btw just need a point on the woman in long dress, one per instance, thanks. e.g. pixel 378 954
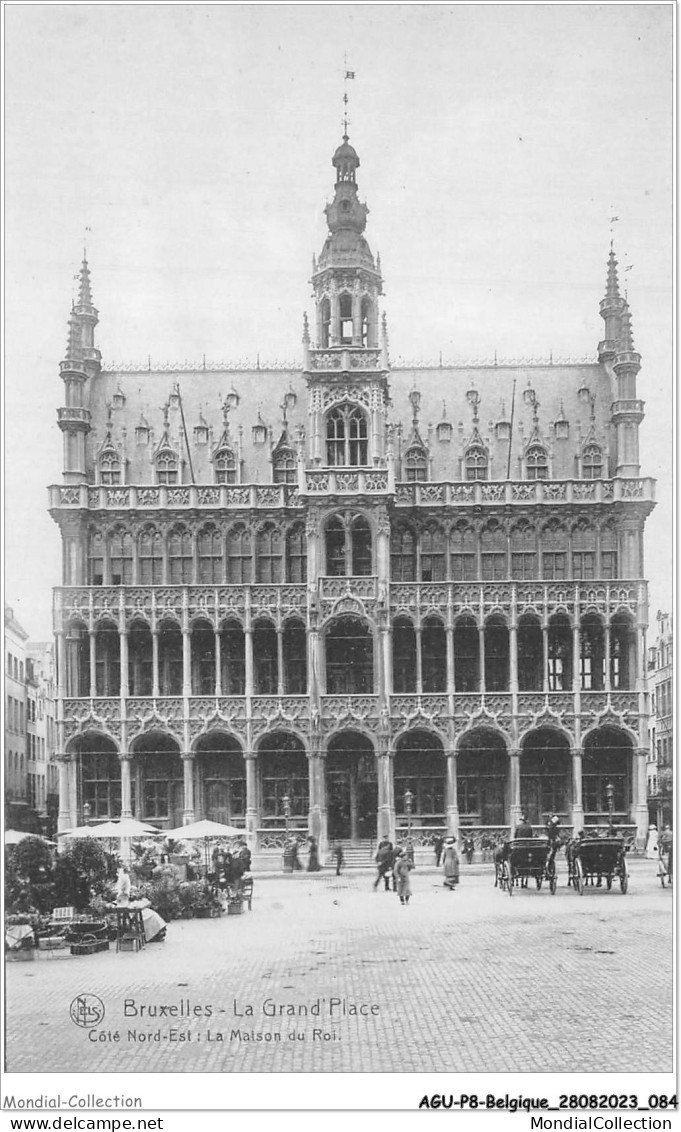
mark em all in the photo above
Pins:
pixel 651 844
pixel 401 870
pixel 313 861
pixel 451 864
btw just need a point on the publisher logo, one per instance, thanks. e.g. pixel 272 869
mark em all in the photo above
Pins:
pixel 86 1010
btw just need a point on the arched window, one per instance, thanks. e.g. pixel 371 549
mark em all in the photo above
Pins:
pixel 402 554
pixel 622 652
pixel 476 462
pixel 530 654
pixel 335 547
pixel 493 552
pixel 608 542
pixel 347 442
pixel 592 462
pixel 107 659
pixel 560 653
pixel 366 320
pixel 496 654
pixel 554 545
pixel 592 658
pixel 466 655
pixel 109 467
pixel 265 659
pixel 360 534
pixel 433 656
pixel 345 308
pixel 120 557
pixel 224 465
pixel 166 466
pixel 537 462
pixel 203 659
pixel 180 557
pixel 239 555
pixel 432 553
pixel 285 466
pixel 294 646
pixel 416 464
pixel 170 659
pixel 269 554
pixel 96 559
pixel 523 551
pixel 463 552
pixel 296 554
pixel 150 557
pixel 404 655
pixel 140 659
pixel 232 659
pixel 211 568
pixel 326 323
pixel 349 658
pixel 583 551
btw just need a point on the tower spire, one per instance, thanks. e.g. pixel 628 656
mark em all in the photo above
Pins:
pixel 611 308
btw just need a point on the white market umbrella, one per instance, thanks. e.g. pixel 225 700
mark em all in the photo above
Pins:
pixel 15 836
pixel 124 829
pixel 79 831
pixel 197 830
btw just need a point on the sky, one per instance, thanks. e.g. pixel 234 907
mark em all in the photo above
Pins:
pixel 194 143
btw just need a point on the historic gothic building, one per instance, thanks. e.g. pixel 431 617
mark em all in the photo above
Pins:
pixel 347 597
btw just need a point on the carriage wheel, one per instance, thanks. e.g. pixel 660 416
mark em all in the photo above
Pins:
pixel 579 877
pixel 624 878
pixel 661 873
pixel 538 879
pixel 553 883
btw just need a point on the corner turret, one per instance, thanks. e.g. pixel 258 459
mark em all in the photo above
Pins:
pixel 82 362
pixel 611 307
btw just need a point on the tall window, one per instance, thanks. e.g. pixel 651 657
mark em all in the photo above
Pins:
pixel 150 557
pixel 347 437
pixel 294 647
pixel 166 467
pixel 120 558
pixel 560 653
pixel 224 463
pixel 493 552
pixel 233 659
pixel 109 467
pixel 433 553
pixel 415 464
pixel 433 656
pixel 296 554
pixel 345 306
pixel 403 554
pixel 239 555
pixel 349 658
pixel 608 551
pixel 523 551
pixel 265 659
pixel 96 559
pixel 583 551
pixel 466 655
pixel 180 557
pixel 592 658
pixel 348 546
pixel 326 323
pixel 537 462
pixel 268 554
pixel 476 462
pixel 592 462
pixel 211 571
pixel 554 551
pixel 404 655
pixel 285 466
pixel 463 553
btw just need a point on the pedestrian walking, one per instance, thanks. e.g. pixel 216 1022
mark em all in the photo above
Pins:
pixel 401 871
pixel 469 848
pixel 338 855
pixel 313 860
pixel 438 846
pixel 384 860
pixel 451 864
pixel 666 848
pixel 651 843
pixel 295 859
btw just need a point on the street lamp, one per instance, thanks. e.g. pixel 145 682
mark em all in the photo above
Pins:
pixel 408 803
pixel 610 795
pixel 87 811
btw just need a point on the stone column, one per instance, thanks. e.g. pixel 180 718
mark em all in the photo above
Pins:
pixel 126 791
pixel 155 687
pixel 513 661
pixel 125 675
pixel 577 801
pixel 67 818
pixel 576 658
pixel 449 638
pixel 545 655
pixel 386 794
pixel 419 662
pixel 607 682
pixel 248 654
pixel 640 814
pixel 315 825
pixel 334 338
pixel 250 759
pixel 61 665
pixel 280 661
pixel 481 650
pixel 451 794
pixel 218 663
pixel 514 787
pixel 188 767
pixel 186 663
pixel 93 663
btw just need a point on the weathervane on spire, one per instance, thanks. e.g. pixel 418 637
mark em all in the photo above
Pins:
pixel 347 75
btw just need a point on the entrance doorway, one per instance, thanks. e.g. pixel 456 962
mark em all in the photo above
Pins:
pixel 351 788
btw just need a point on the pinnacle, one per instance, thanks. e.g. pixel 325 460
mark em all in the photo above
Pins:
pixel 627 332
pixel 612 289
pixel 84 293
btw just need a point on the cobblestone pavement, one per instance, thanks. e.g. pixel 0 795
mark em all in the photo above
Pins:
pixel 466 981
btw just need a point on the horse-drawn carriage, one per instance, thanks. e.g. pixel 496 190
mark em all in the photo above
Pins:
pixel 524 859
pixel 597 859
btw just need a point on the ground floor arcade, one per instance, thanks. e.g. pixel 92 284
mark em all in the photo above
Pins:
pixel 350 789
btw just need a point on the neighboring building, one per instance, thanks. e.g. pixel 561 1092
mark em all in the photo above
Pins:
pixel 661 728
pixel 16 780
pixel 340 589
pixel 43 770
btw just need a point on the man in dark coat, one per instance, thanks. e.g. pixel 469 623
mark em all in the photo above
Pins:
pixel 523 828
pixel 384 861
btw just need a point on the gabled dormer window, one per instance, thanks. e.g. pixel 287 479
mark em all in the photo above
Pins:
pixel 415 464
pixel 347 443
pixel 537 462
pixel 284 466
pixel 109 467
pixel 476 462
pixel 592 462
pixel 224 463
pixel 166 466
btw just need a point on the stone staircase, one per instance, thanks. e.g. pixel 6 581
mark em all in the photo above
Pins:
pixel 359 855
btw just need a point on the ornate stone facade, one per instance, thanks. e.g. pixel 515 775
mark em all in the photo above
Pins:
pixel 356 621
